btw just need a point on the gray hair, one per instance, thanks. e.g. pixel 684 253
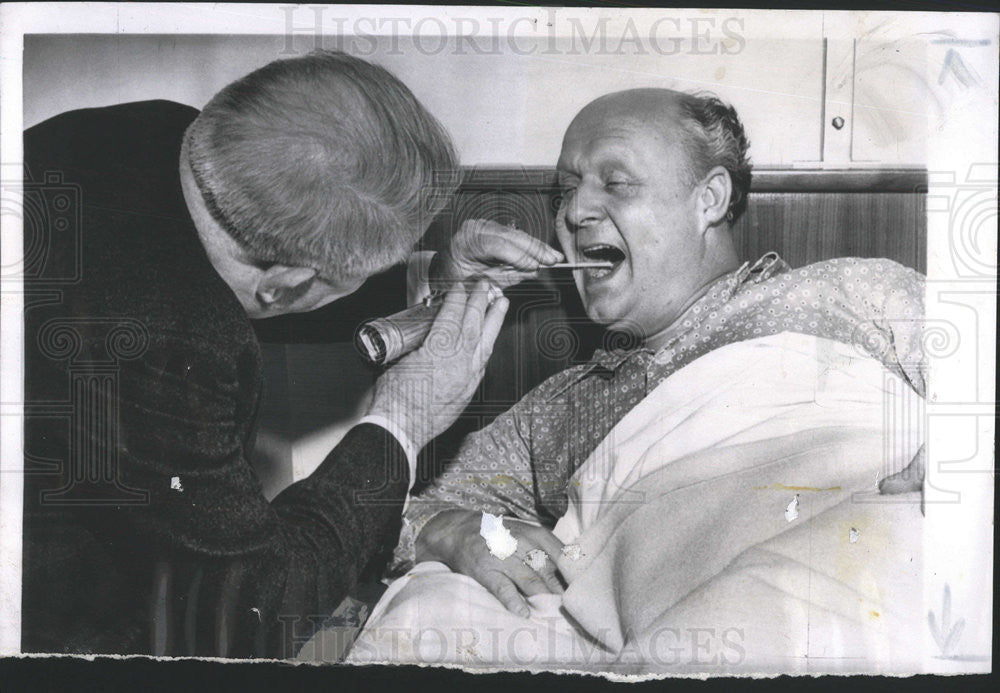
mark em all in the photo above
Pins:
pixel 323 161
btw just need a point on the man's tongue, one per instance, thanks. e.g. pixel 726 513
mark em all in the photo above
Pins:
pixel 602 253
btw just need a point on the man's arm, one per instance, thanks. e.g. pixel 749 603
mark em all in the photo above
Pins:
pixel 270 572
pixel 894 306
pixel 904 315
pixel 490 473
pixel 493 472
pixel 900 313
pixel 270 566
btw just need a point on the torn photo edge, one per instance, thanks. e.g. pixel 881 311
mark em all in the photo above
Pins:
pixel 961 261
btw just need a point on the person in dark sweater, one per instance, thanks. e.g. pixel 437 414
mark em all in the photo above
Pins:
pixel 145 529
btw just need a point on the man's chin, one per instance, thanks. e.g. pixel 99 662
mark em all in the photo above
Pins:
pixel 614 319
pixel 608 317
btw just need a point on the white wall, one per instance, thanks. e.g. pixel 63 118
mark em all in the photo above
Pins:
pixel 504 108
pixel 788 74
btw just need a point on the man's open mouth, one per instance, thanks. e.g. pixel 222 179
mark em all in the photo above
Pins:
pixel 602 252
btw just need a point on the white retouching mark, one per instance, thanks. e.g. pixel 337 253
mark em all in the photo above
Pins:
pixel 536 559
pixel 573 552
pixel 792 509
pixel 499 540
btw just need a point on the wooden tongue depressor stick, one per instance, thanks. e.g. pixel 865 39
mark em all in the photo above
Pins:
pixel 579 265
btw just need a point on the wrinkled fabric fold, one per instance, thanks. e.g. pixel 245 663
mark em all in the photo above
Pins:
pixel 684 505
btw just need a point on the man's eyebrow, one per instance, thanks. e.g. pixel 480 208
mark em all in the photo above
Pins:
pixel 614 154
pixel 615 162
pixel 602 161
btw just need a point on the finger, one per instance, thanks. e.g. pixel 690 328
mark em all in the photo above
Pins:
pixel 543 565
pixel 475 312
pixel 552 580
pixel 446 329
pixel 547 573
pixel 504 589
pixel 527 580
pixel 544 539
pixel 508 276
pixel 452 307
pixel 500 245
pixel 536 574
pixel 529 249
pixel 550 544
pixel 543 252
pixel 491 330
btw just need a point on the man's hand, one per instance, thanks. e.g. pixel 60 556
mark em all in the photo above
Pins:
pixel 908 480
pixel 502 254
pixel 452 537
pixel 426 390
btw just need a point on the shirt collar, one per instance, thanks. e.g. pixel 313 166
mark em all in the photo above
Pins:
pixel 611 359
pixel 766 267
pixel 769 265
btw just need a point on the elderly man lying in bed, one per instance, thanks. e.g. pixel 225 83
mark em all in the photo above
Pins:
pixel 695 503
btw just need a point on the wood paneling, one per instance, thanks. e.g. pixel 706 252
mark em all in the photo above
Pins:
pixel 806 227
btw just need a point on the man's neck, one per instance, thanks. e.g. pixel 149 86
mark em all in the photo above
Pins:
pixel 222 250
pixel 657 341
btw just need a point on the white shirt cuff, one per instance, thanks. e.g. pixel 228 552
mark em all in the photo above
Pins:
pixel 405 443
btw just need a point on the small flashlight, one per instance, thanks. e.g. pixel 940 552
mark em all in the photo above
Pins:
pixel 383 340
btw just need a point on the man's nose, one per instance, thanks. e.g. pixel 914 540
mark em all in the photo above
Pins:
pixel 583 208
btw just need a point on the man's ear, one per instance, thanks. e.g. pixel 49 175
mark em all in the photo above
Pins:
pixel 280 286
pixel 716 191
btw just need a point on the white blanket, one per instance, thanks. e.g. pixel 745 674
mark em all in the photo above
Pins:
pixel 692 558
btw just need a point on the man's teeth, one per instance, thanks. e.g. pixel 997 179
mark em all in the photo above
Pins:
pixel 598 272
pixel 602 253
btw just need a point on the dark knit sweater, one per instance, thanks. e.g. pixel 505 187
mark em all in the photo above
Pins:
pixel 143 378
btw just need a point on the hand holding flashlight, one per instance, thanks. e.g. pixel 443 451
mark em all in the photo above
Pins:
pixel 426 390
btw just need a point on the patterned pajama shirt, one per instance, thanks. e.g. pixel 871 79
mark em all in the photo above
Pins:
pixel 521 463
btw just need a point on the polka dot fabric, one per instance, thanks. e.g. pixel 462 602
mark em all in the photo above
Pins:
pixel 520 464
